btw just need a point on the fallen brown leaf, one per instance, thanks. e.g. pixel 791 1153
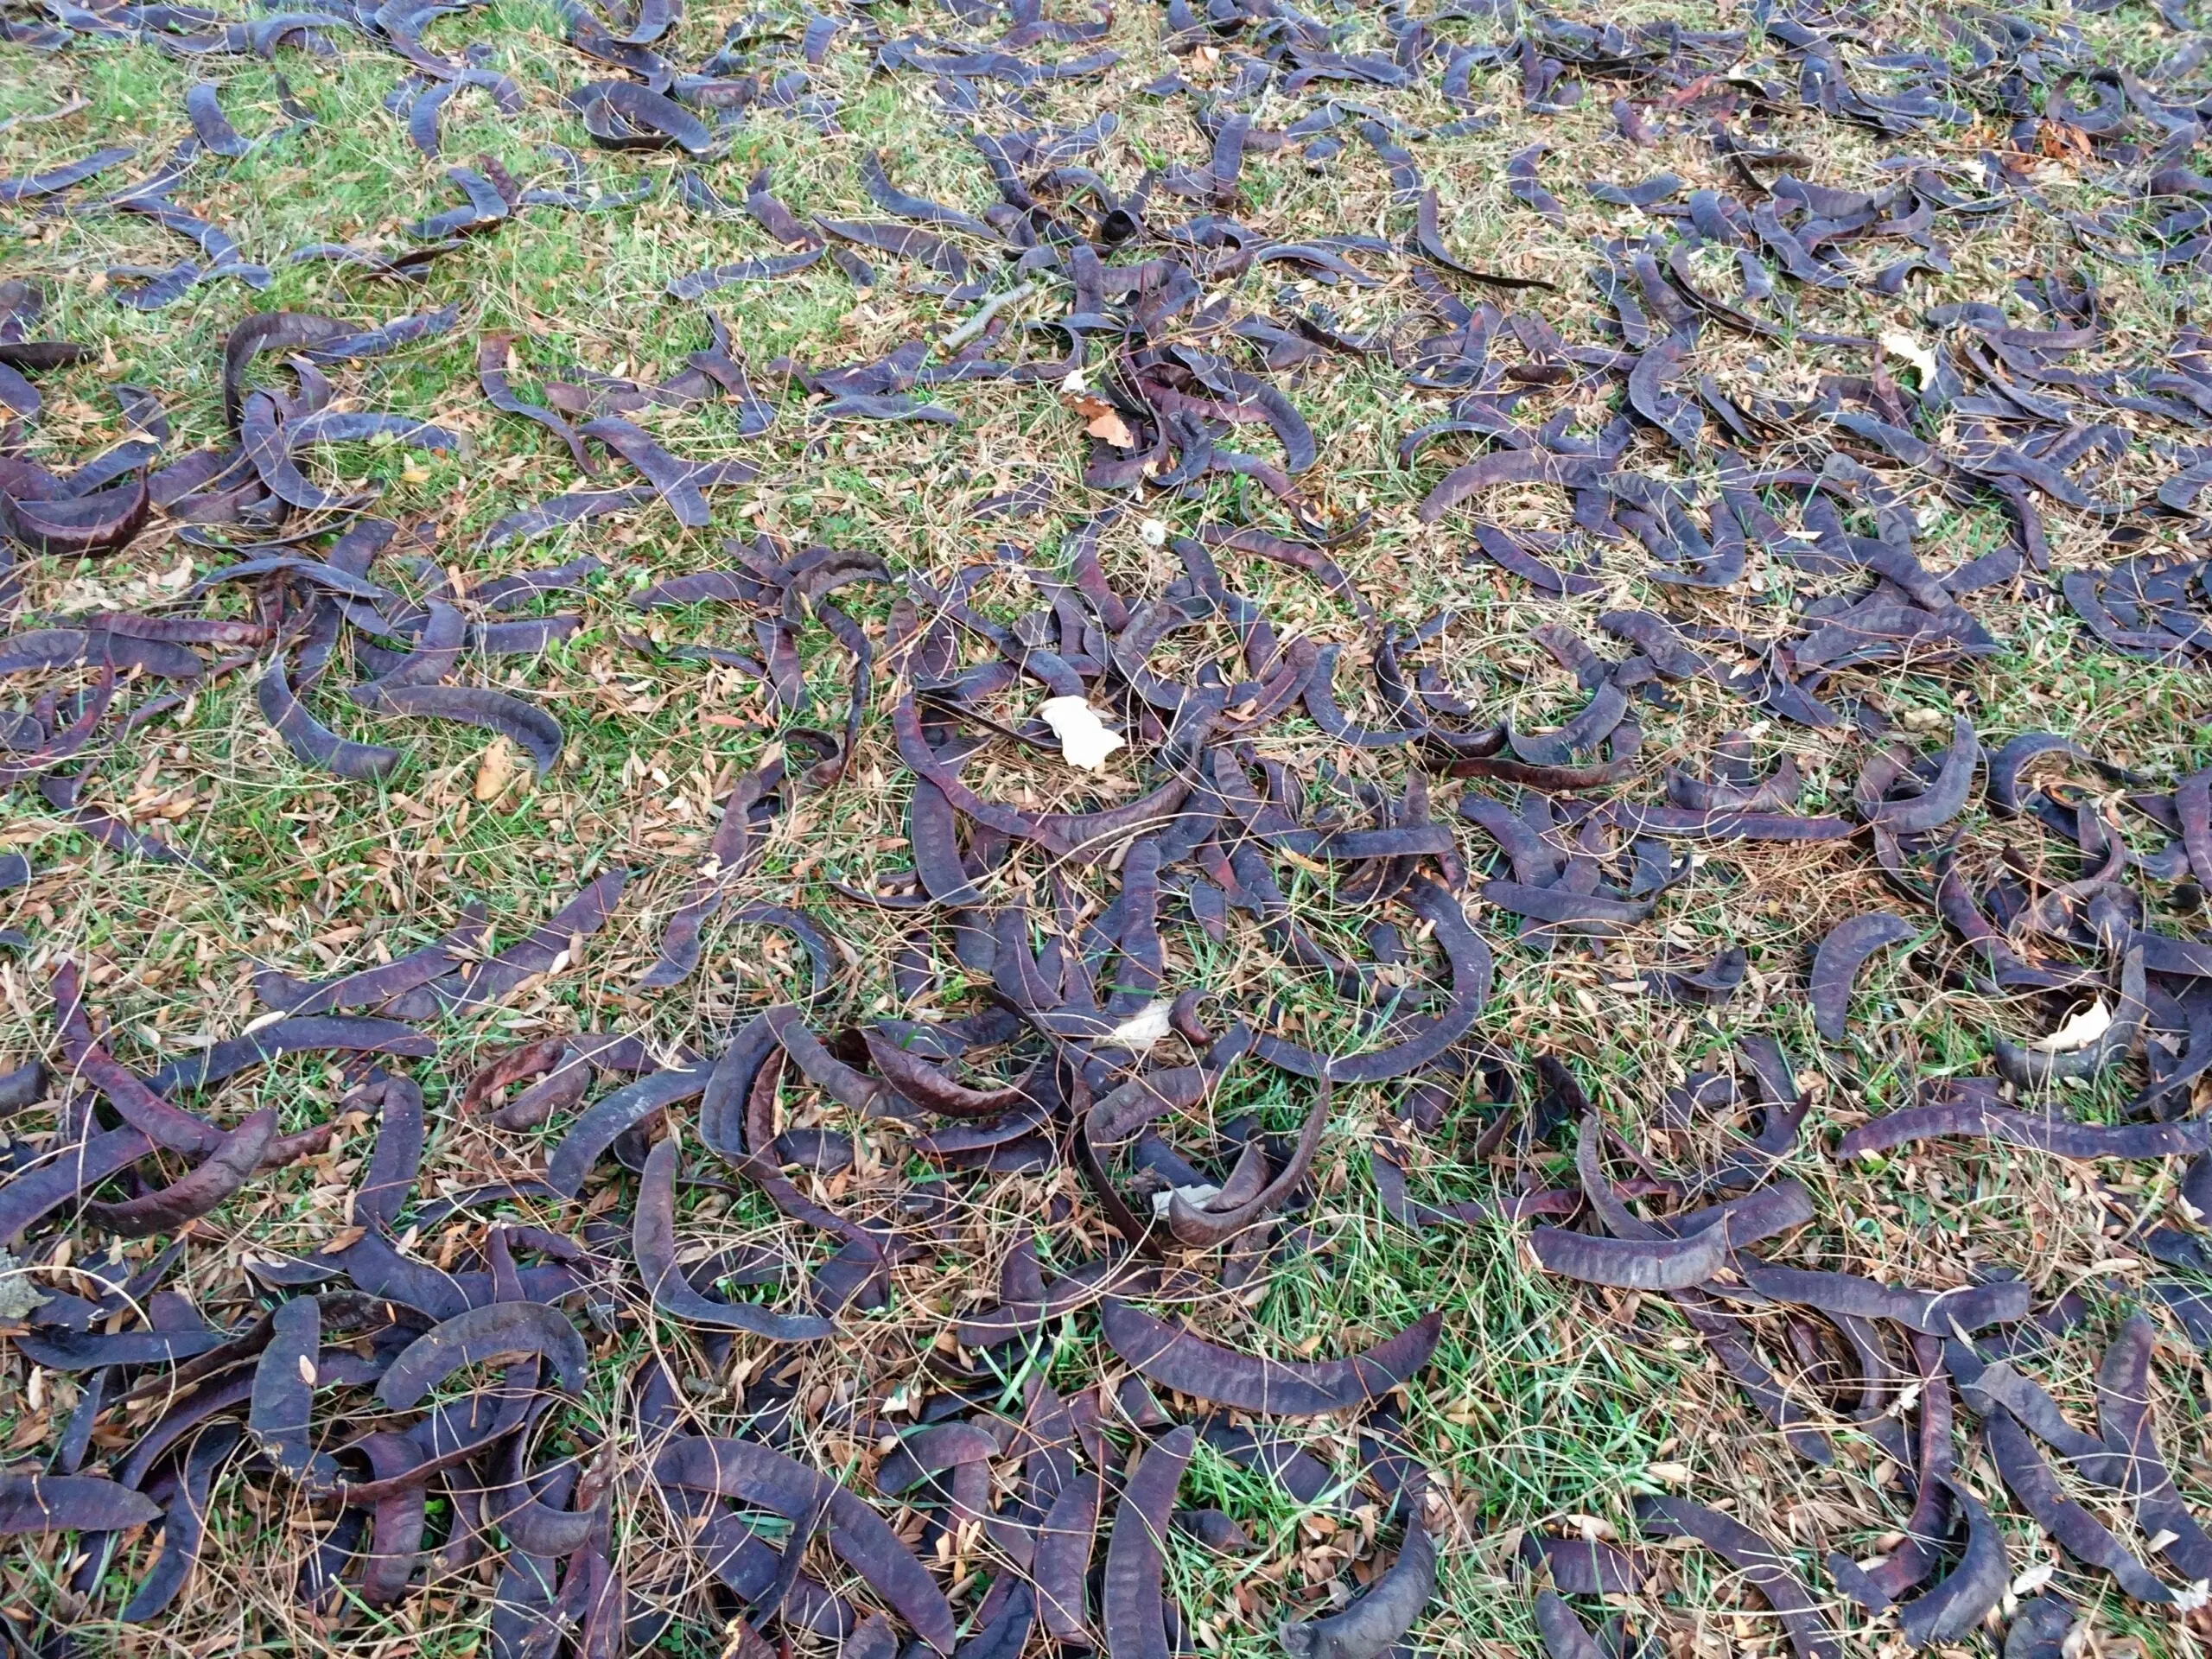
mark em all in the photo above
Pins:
pixel 495 771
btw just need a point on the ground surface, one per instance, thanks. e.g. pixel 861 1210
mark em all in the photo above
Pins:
pixel 1546 1407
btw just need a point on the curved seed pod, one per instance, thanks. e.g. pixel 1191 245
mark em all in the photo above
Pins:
pixel 48 648
pixel 453 1434
pixel 531 1524
pixel 723 1101
pixel 283 1406
pixel 371 986
pixel 348 1033
pixel 2030 1478
pixel 1977 1116
pixel 1020 1315
pixel 2193 806
pixel 932 835
pixel 1132 1603
pixel 71 1351
pixel 590 1136
pixel 561 1089
pixel 81 527
pixel 492 352
pixel 192 1407
pixel 1951 1611
pixel 653 1242
pixel 1970 1307
pixel 438 648
pixel 230 1166
pixel 482 1333
pixel 1498 467
pixel 26 1085
pixel 1564 1635
pixel 2039 1630
pixel 1679 419
pixel 1471 980
pixel 67 1170
pixel 375 1267
pixel 622 115
pixel 2036 1068
pixel 1428 237
pixel 1764 1566
pixel 761 1168
pixel 1915 1560
pixel 1090 836
pixel 1134 1230
pixel 1008 1632
pixel 964 1146
pixel 1192 1365
pixel 521 1064
pixel 267 331
pixel 388 1181
pixel 932 1450
pixel 1202 1228
pixel 1591 911
pixel 2012 758
pixel 1060 1566
pixel 1989 1387
pixel 754 1473
pixel 1943 800
pixel 746 1563
pixel 533 731
pixel 1837 961
pixel 396 1519
pixel 522 1625
pixel 923 761
pixel 75 1442
pixel 841 1082
pixel 71 1503
pixel 699 283
pixel 1217 1531
pixel 769 1602
pixel 930 1089
pixel 312 741
pixel 1138 1102
pixel 1376 1622
pixel 1584 1566
pixel 1762 1213
pixel 209 124
pixel 487 980
pixel 1631 1263
pixel 673 480
pixel 183 1526
pixel 168 1125
pixel 316 574
pixel 2124 1419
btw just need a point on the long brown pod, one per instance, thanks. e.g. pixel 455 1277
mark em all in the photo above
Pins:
pixel 1192 1365
pixel 1132 1602
pixel 652 1240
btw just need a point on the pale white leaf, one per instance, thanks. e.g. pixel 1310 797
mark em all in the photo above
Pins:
pixel 1141 1029
pixel 1197 1196
pixel 2079 1032
pixel 1084 740
pixel 1898 343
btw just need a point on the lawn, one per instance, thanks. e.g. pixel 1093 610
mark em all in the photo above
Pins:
pixel 1549 1408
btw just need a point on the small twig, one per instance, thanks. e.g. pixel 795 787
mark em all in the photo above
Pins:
pixel 70 106
pixel 983 313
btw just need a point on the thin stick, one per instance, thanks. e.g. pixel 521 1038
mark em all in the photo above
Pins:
pixel 982 318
